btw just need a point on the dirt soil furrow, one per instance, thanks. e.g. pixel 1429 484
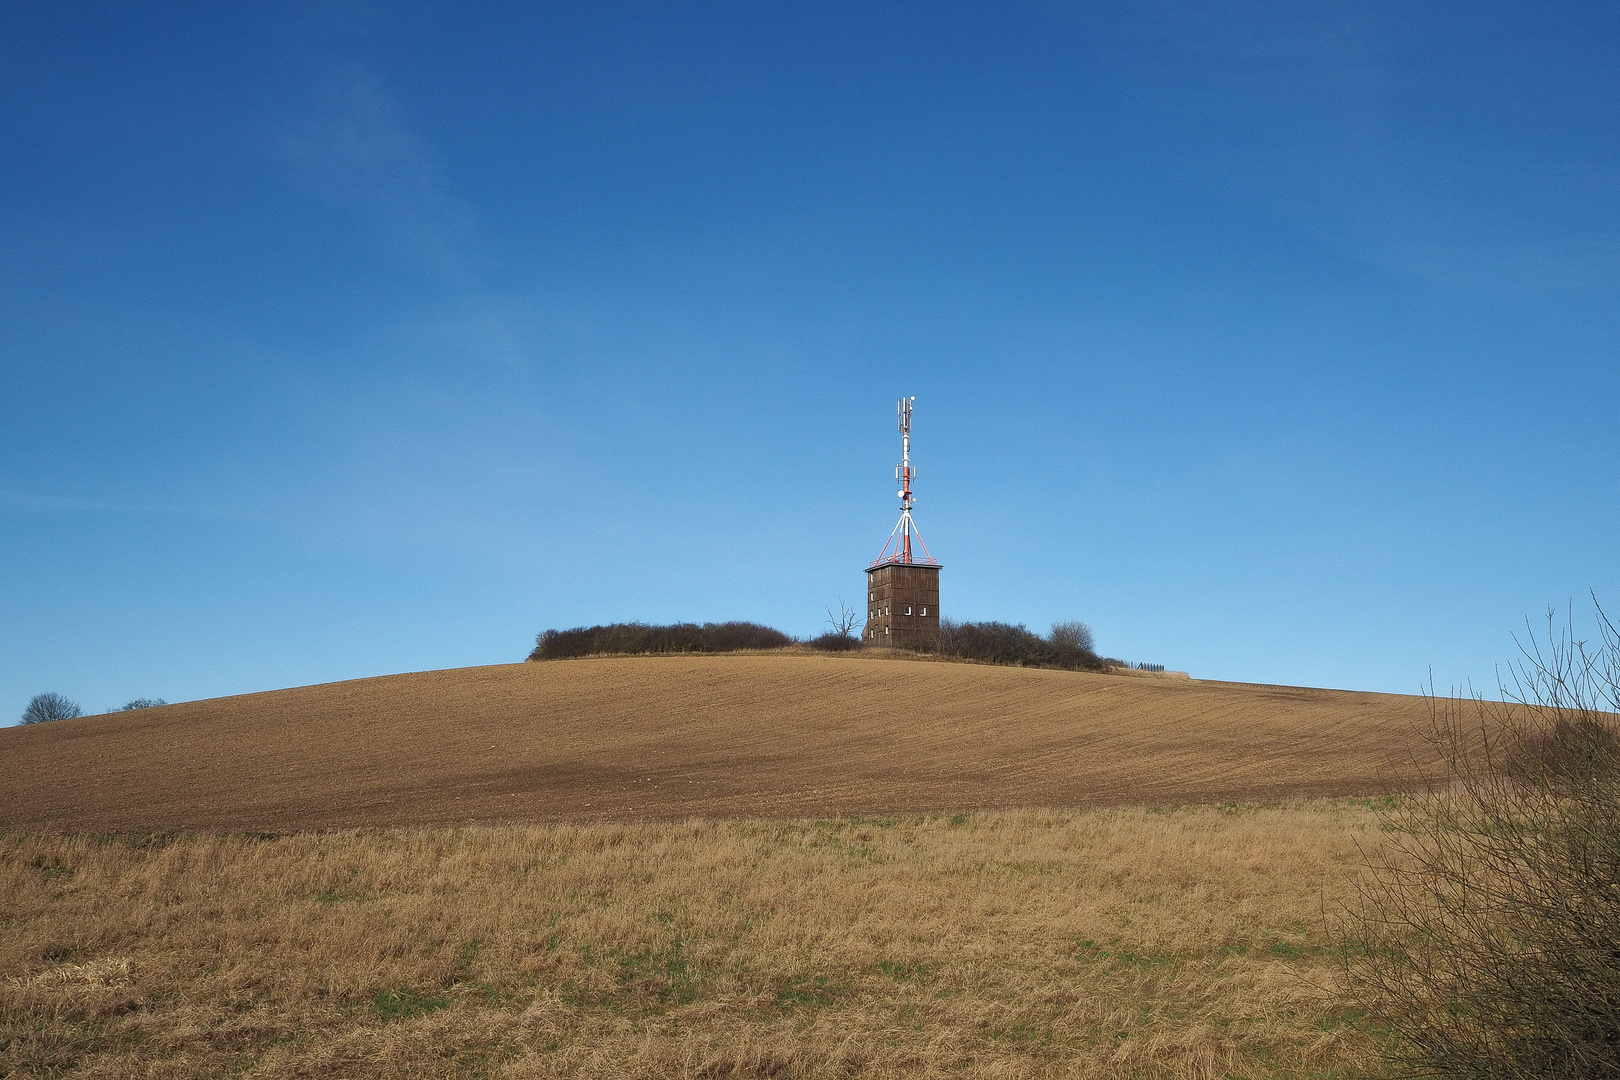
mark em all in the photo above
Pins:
pixel 669 737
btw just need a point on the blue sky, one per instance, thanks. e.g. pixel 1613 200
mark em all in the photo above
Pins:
pixel 1277 342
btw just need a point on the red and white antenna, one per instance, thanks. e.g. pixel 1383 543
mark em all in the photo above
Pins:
pixel 905 528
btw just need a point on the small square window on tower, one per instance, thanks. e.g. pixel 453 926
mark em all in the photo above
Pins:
pixel 924 611
pixel 908 609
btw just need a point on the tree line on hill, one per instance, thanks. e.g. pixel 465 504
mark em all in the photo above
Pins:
pixel 1069 646
pixel 636 638
pixel 43 708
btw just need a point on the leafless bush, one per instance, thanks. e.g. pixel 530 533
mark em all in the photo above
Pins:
pixel 1072 635
pixel 43 708
pixel 637 638
pixel 1486 943
pixel 1004 643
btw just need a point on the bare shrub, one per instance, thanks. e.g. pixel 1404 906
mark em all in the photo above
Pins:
pixel 43 708
pixel 1486 942
pixel 639 638
pixel 1004 643
pixel 835 642
pixel 142 703
pixel 1072 635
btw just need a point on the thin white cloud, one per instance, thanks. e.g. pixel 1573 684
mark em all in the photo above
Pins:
pixel 358 150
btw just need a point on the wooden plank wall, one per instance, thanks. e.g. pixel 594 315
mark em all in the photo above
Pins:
pixel 890 590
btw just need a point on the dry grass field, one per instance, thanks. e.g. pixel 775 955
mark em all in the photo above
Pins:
pixel 1029 943
pixel 768 865
pixel 776 735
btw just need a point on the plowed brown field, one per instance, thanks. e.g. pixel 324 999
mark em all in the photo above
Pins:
pixel 762 735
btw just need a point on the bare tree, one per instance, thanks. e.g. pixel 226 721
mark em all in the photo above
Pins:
pixel 50 706
pixel 1072 635
pixel 845 622
pixel 142 703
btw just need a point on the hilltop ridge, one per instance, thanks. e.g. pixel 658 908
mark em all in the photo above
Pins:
pixel 659 737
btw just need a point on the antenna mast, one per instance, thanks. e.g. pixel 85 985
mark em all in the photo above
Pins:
pixel 906 528
pixel 902 473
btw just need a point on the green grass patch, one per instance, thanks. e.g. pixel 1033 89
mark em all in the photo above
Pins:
pixel 906 972
pixel 337 896
pixel 660 973
pixel 809 991
pixel 1090 952
pixel 393 1005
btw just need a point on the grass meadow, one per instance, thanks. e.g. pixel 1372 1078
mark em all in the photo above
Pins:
pixel 1186 942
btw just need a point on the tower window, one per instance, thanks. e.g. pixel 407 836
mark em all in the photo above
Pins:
pixel 924 611
pixel 908 609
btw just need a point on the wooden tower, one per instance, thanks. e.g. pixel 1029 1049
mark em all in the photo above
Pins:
pixel 902 588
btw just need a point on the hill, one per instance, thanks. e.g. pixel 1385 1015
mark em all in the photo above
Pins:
pixel 648 738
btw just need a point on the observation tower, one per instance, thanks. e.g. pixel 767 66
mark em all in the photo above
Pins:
pixel 902 587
